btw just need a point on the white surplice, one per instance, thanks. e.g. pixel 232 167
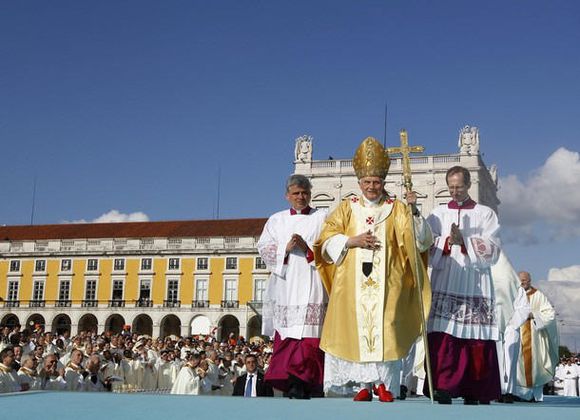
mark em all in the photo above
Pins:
pixel 463 302
pixel 188 382
pixel 295 300
pixel 166 374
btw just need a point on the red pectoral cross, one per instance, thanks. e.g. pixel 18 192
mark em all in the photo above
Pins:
pixel 370 220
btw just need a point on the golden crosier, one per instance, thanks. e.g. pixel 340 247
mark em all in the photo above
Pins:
pixel 371 159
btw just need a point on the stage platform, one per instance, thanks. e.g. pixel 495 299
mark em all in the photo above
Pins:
pixel 105 406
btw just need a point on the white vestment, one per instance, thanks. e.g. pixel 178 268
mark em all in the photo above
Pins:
pixel 212 374
pixel 149 374
pixel 506 284
pixel 166 374
pixel 226 377
pixel 569 374
pixel 54 383
pixel 463 293
pixel 132 373
pixel 117 372
pixel 558 380
pixel 295 300
pixel 543 348
pixel 512 341
pixel 94 383
pixel 188 382
pixel 8 380
pixel 74 378
pixel 29 377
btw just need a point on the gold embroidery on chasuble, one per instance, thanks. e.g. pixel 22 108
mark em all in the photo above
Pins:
pixel 370 290
pixel 526 333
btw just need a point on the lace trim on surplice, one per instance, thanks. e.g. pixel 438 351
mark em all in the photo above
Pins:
pixel 467 310
pixel 296 315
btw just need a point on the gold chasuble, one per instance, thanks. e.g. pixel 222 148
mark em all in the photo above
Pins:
pixel 374 318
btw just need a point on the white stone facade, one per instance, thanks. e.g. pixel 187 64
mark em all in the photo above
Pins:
pixel 333 180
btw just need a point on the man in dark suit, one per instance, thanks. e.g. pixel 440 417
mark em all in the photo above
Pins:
pixel 251 384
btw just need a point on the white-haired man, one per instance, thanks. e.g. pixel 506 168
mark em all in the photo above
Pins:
pixel 535 337
pixel 27 373
pixel 367 260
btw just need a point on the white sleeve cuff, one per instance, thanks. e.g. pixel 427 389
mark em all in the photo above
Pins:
pixel 334 249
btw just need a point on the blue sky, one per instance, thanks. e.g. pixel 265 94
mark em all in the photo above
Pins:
pixel 134 105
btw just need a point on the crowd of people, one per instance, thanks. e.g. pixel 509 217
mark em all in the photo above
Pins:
pixel 124 362
pixel 131 363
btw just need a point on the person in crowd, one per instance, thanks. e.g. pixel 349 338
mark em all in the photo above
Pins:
pixel 9 381
pixel 569 373
pixel 251 383
pixel 95 381
pixel 226 375
pixel 191 377
pixel 75 373
pixel 166 371
pixel 28 374
pixel 51 376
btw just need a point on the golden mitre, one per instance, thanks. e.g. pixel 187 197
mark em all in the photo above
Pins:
pixel 371 159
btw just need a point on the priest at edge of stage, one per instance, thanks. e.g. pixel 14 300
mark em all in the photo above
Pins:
pixel 463 325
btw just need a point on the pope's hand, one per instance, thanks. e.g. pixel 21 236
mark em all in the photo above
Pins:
pixel 411 197
pixel 365 240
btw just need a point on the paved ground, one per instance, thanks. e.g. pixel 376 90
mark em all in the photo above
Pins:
pixel 87 406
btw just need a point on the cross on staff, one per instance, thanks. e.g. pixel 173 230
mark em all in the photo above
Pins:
pixel 405 150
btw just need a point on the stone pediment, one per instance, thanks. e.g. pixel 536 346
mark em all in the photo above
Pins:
pixel 322 197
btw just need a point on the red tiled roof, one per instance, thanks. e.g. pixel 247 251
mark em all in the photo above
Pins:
pixel 171 229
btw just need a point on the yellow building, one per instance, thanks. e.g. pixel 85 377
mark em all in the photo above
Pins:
pixel 161 278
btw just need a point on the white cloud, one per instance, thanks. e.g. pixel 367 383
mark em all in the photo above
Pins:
pixel 571 274
pixel 563 290
pixel 565 297
pixel 115 216
pixel 550 196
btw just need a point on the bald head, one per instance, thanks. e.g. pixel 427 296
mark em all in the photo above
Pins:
pixel 525 280
pixel 94 363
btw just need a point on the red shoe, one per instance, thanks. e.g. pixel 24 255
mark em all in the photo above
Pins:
pixel 383 394
pixel 363 395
